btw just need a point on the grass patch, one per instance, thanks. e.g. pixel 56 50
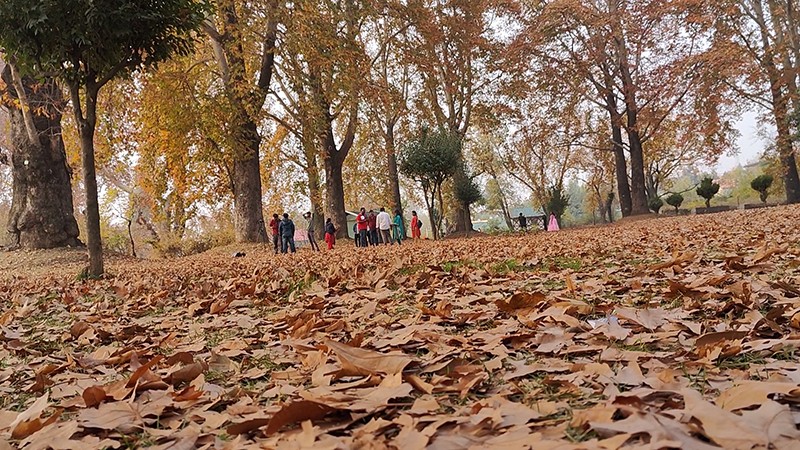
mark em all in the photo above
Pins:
pixel 741 361
pixel 449 266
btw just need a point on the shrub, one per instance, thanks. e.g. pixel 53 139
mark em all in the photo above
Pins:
pixel 707 189
pixel 655 204
pixel 557 202
pixel 761 184
pixel 675 200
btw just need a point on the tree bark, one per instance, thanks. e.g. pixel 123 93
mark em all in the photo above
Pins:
pixel 621 169
pixel 87 122
pixel 315 192
pixel 334 187
pixel 42 214
pixel 620 163
pixel 461 213
pixel 248 216
pixel 391 163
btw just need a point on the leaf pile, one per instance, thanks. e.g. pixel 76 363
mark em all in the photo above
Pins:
pixel 669 333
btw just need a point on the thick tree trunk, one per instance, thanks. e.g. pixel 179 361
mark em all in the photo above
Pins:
pixel 248 217
pixel 786 151
pixel 638 194
pixel 620 163
pixel 621 169
pixel 42 214
pixel 315 195
pixel 394 179
pixel 334 196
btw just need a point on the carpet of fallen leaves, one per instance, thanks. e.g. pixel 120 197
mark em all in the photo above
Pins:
pixel 668 333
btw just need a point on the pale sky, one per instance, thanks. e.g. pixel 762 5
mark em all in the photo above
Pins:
pixel 750 144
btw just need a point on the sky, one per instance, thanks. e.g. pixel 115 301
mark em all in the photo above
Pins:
pixel 750 144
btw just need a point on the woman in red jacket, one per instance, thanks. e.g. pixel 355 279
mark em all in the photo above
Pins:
pixel 415 225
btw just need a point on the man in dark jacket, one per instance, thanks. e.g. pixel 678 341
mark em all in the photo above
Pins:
pixel 287 234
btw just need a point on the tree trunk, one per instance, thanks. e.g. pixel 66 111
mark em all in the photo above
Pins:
pixel 42 214
pixel 791 180
pixel 248 216
pixel 621 168
pixel 629 91
pixel 461 212
pixel 86 127
pixel 334 189
pixel 394 179
pixel 315 195
pixel 638 195
pixel 620 164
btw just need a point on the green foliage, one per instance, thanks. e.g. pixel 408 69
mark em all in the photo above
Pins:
pixel 655 204
pixel 761 184
pixel 466 189
pixel 93 41
pixel 675 200
pixel 707 189
pixel 431 157
pixel 557 202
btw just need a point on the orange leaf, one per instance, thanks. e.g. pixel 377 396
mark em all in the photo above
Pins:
pixel 93 396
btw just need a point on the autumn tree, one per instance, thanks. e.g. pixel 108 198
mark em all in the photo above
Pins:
pixel 242 37
pixel 548 144
pixel 323 62
pixel 764 60
pixel 390 87
pixel 641 62
pixel 86 44
pixel 456 50
pixel 41 214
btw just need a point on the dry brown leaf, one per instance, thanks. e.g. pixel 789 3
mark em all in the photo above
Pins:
pixel 297 412
pixel 93 396
pixel 358 361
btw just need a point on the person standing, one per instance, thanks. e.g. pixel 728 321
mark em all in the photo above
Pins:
pixel 415 226
pixel 312 241
pixel 399 231
pixel 287 234
pixel 362 224
pixel 330 233
pixel 523 222
pixel 384 222
pixel 553 226
pixel 372 220
pixel 274 224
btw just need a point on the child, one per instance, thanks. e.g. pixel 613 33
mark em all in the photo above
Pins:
pixel 330 233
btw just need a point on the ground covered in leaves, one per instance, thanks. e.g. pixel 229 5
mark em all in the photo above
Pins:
pixel 668 333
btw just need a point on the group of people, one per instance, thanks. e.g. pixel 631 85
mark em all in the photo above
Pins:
pixel 551 226
pixel 380 228
pixel 369 229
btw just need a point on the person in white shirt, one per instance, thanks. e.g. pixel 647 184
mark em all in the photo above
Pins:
pixel 384 225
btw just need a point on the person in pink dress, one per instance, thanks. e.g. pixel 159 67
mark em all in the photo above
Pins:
pixel 553 225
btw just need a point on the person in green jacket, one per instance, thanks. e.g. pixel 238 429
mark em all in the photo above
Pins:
pixel 399 231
